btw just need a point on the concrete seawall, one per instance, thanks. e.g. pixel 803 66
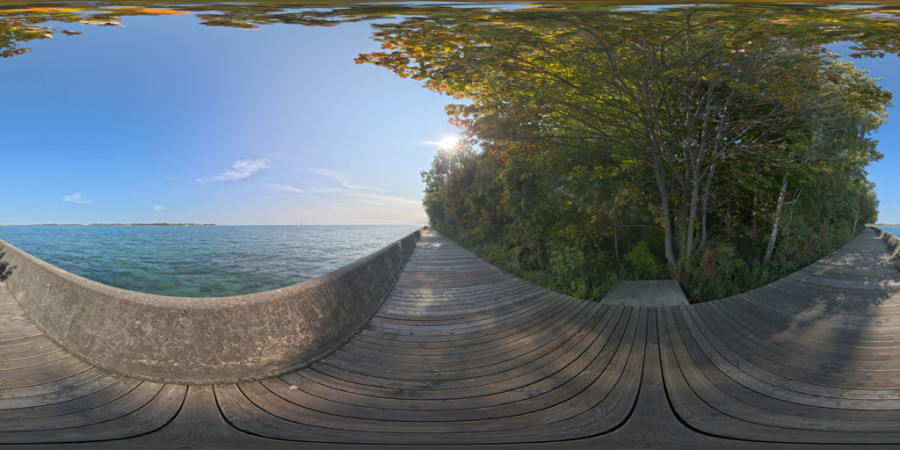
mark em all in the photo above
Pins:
pixel 893 245
pixel 204 340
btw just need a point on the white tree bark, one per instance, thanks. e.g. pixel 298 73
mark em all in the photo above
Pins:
pixel 771 247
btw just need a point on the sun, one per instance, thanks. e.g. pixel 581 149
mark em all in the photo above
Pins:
pixel 448 142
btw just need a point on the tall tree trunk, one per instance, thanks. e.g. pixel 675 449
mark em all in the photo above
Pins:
pixel 774 235
pixel 729 222
pixel 693 206
pixel 753 215
pixel 616 238
pixel 705 208
pixel 667 224
pixel 615 217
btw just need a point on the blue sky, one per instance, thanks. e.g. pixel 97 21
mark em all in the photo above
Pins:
pixel 163 120
pixel 178 122
pixel 885 173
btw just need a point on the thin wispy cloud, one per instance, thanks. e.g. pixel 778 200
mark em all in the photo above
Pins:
pixel 385 200
pixel 78 198
pixel 286 188
pixel 343 179
pixel 158 207
pixel 363 194
pixel 241 169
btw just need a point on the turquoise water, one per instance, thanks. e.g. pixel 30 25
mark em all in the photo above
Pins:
pixel 205 261
pixel 892 230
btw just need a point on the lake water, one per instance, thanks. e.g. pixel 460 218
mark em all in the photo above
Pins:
pixel 203 261
pixel 895 230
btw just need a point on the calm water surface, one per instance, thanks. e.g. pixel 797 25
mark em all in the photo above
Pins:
pixel 206 261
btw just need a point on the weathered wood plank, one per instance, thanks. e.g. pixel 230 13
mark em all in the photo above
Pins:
pixel 463 353
pixel 152 415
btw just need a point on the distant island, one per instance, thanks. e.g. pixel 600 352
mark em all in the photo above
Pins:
pixel 122 225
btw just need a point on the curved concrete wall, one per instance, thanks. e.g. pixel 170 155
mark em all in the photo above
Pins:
pixel 893 245
pixel 204 340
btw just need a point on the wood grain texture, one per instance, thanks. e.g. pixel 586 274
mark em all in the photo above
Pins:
pixel 463 353
pixel 49 396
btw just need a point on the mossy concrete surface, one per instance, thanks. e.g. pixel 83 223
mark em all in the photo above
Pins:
pixel 203 340
pixel 893 245
pixel 646 293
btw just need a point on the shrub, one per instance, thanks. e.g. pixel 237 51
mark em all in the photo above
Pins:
pixel 644 265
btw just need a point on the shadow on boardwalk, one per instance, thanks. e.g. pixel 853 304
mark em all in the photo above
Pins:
pixel 463 353
pixel 5 268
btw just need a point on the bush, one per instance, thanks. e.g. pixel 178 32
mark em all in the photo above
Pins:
pixel 644 265
pixel 716 273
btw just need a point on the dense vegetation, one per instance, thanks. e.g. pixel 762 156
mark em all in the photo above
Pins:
pixel 693 143
pixel 720 146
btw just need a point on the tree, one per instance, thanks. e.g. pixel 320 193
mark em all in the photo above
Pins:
pixel 676 95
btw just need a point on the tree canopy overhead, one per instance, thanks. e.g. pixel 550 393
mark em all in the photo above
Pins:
pixel 873 29
pixel 682 102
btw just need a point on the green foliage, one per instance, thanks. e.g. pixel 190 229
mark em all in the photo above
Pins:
pixel 12 32
pixel 644 266
pixel 617 152
pixel 716 273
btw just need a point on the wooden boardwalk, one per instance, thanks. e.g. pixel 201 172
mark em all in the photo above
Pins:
pixel 463 353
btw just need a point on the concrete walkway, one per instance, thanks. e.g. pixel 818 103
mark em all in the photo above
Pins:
pixel 646 293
